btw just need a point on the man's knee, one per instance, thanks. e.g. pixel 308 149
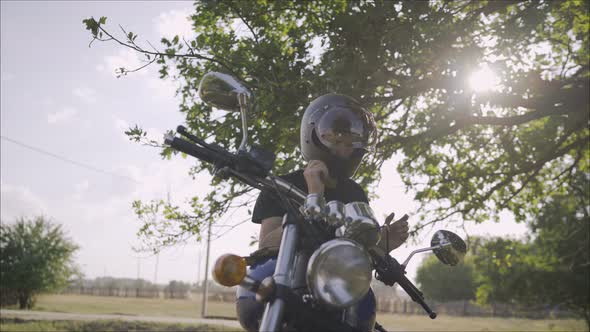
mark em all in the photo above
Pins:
pixel 249 313
pixel 249 310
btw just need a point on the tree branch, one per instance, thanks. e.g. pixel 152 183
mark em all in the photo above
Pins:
pixel 434 221
pixel 125 71
pixel 536 166
pixel 393 109
pixel 431 134
pixel 229 3
pixel 160 54
pixel 511 120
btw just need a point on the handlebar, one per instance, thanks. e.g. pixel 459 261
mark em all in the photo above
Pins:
pixel 193 150
pixel 389 271
pixel 232 164
pixel 416 295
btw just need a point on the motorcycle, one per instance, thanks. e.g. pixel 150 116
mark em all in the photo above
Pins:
pixel 328 250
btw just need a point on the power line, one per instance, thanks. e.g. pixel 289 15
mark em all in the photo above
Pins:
pixel 66 159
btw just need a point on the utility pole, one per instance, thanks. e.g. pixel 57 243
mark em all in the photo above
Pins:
pixel 137 284
pixel 199 267
pixel 156 269
pixel 206 286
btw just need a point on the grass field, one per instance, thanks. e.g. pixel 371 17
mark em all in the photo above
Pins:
pixel 452 323
pixel 87 304
pixel 192 308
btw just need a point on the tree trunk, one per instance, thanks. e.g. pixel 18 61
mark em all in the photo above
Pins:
pixel 25 300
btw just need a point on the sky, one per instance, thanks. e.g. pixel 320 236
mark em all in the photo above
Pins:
pixel 64 154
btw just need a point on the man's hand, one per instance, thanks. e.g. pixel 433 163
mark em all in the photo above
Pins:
pixel 315 173
pixel 393 235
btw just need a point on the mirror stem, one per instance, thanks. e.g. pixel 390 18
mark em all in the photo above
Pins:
pixel 243 100
pixel 442 245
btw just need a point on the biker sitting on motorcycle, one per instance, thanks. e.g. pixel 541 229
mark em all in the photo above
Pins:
pixel 336 132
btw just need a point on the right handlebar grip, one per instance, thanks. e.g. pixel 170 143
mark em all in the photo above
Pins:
pixel 191 149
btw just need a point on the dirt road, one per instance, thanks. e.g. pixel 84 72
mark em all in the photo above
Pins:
pixel 46 315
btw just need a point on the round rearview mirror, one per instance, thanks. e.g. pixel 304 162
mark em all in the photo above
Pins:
pixel 453 250
pixel 222 91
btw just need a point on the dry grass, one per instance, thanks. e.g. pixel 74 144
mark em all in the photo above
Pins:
pixel 192 309
pixel 7 325
pixel 87 304
pixel 398 322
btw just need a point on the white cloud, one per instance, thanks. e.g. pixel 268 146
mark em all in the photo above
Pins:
pixel 19 202
pixel 155 134
pixel 169 24
pixel 88 95
pixel 175 22
pixel 47 101
pixel 130 60
pixel 65 114
pixel 7 77
pixel 131 171
pixel 158 177
pixel 125 58
pixel 105 226
pixel 82 186
pixel 164 89
pixel 80 189
pixel 120 124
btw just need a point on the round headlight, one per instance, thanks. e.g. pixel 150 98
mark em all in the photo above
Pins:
pixel 339 273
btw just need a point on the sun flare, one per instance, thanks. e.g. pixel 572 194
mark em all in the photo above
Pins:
pixel 484 79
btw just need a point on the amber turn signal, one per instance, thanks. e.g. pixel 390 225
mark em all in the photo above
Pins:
pixel 229 270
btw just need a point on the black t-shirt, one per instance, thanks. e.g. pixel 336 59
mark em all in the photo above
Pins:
pixel 268 206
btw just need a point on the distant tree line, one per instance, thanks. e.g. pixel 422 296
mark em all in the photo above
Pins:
pixel 129 287
pixel 466 308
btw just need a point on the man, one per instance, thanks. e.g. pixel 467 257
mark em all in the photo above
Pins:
pixel 336 132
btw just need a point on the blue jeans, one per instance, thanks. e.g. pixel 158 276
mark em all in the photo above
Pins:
pixel 250 311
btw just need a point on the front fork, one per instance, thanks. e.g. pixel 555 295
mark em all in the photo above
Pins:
pixel 273 313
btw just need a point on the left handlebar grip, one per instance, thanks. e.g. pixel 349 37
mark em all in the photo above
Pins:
pixel 415 294
pixel 192 149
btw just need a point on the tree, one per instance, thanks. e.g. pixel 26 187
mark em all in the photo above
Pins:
pixel 502 270
pixel 550 268
pixel 445 283
pixel 560 249
pixel 467 154
pixel 177 289
pixel 35 256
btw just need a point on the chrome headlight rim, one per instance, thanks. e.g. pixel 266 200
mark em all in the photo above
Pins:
pixel 360 225
pixel 362 280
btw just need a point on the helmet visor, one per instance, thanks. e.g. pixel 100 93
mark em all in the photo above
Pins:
pixel 348 128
